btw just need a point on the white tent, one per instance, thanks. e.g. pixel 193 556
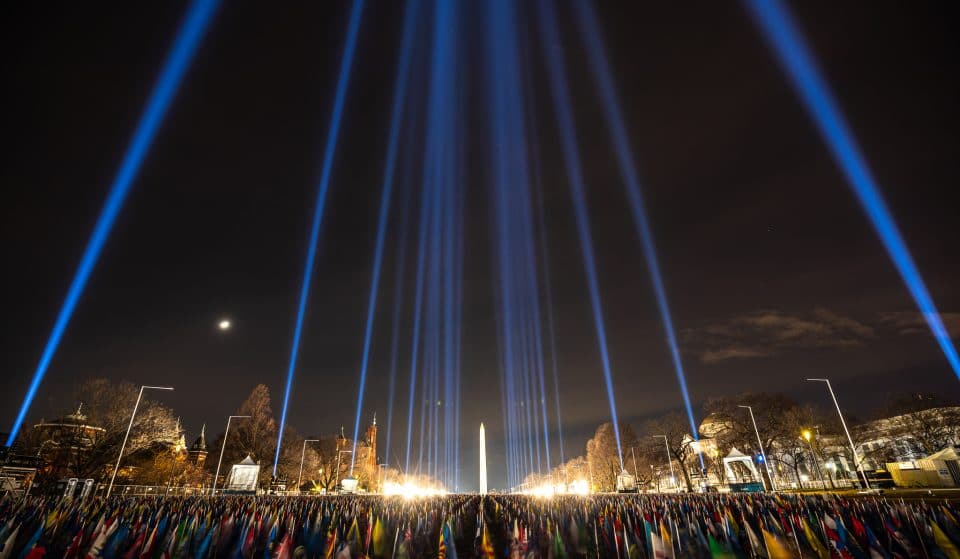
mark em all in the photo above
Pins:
pixel 243 476
pixel 737 456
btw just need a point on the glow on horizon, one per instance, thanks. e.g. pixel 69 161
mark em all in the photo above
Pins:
pixel 794 56
pixel 189 35
pixel 332 134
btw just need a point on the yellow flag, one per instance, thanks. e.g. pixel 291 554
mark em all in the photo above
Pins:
pixel 379 539
pixel 486 547
pixel 815 543
pixel 775 546
pixel 943 542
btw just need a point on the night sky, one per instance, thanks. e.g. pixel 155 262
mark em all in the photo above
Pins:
pixel 773 272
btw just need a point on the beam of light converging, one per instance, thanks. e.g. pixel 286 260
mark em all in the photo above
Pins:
pixel 398 292
pixel 189 35
pixel 560 94
pixel 520 339
pixel 438 178
pixel 417 314
pixel 590 31
pixel 538 233
pixel 548 298
pixel 437 314
pixel 793 54
pixel 396 120
pixel 333 132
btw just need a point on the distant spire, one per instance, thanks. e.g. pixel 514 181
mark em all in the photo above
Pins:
pixel 201 443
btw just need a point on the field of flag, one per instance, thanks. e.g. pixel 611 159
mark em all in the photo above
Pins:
pixel 622 527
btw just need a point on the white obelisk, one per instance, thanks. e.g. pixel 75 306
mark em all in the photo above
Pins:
pixel 483 461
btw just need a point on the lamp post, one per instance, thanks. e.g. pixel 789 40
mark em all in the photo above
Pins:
pixel 766 463
pixel 807 435
pixel 223 447
pixel 303 454
pixel 853 449
pixel 127 435
pixel 666 445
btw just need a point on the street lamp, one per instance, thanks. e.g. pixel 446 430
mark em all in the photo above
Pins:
pixel 127 435
pixel 807 435
pixel 222 448
pixel 666 445
pixel 303 454
pixel 853 449
pixel 766 463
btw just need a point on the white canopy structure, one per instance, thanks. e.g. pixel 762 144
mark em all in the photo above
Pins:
pixel 243 476
pixel 739 457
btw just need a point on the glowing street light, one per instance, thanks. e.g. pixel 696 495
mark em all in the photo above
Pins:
pixel 224 325
pixel 127 435
pixel 853 449
pixel 666 445
pixel 303 454
pixel 808 436
pixel 222 448
pixel 763 455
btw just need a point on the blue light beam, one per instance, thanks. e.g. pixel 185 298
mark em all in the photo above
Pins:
pixel 782 34
pixel 600 67
pixel 396 120
pixel 192 30
pixel 332 133
pixel 568 136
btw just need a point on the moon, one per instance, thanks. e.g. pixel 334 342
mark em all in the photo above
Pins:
pixel 224 324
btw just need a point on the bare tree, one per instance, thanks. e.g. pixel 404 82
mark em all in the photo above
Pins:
pixel 788 448
pixel 780 422
pixel 925 423
pixel 606 457
pixel 89 453
pixel 679 441
pixel 573 470
pixel 255 436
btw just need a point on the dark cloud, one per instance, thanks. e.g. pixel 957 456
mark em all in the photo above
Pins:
pixel 768 332
pixel 908 323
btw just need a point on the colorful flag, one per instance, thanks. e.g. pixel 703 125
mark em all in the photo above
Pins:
pixel 947 548
pixel 486 546
pixel 776 547
pixel 379 539
pixel 7 547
